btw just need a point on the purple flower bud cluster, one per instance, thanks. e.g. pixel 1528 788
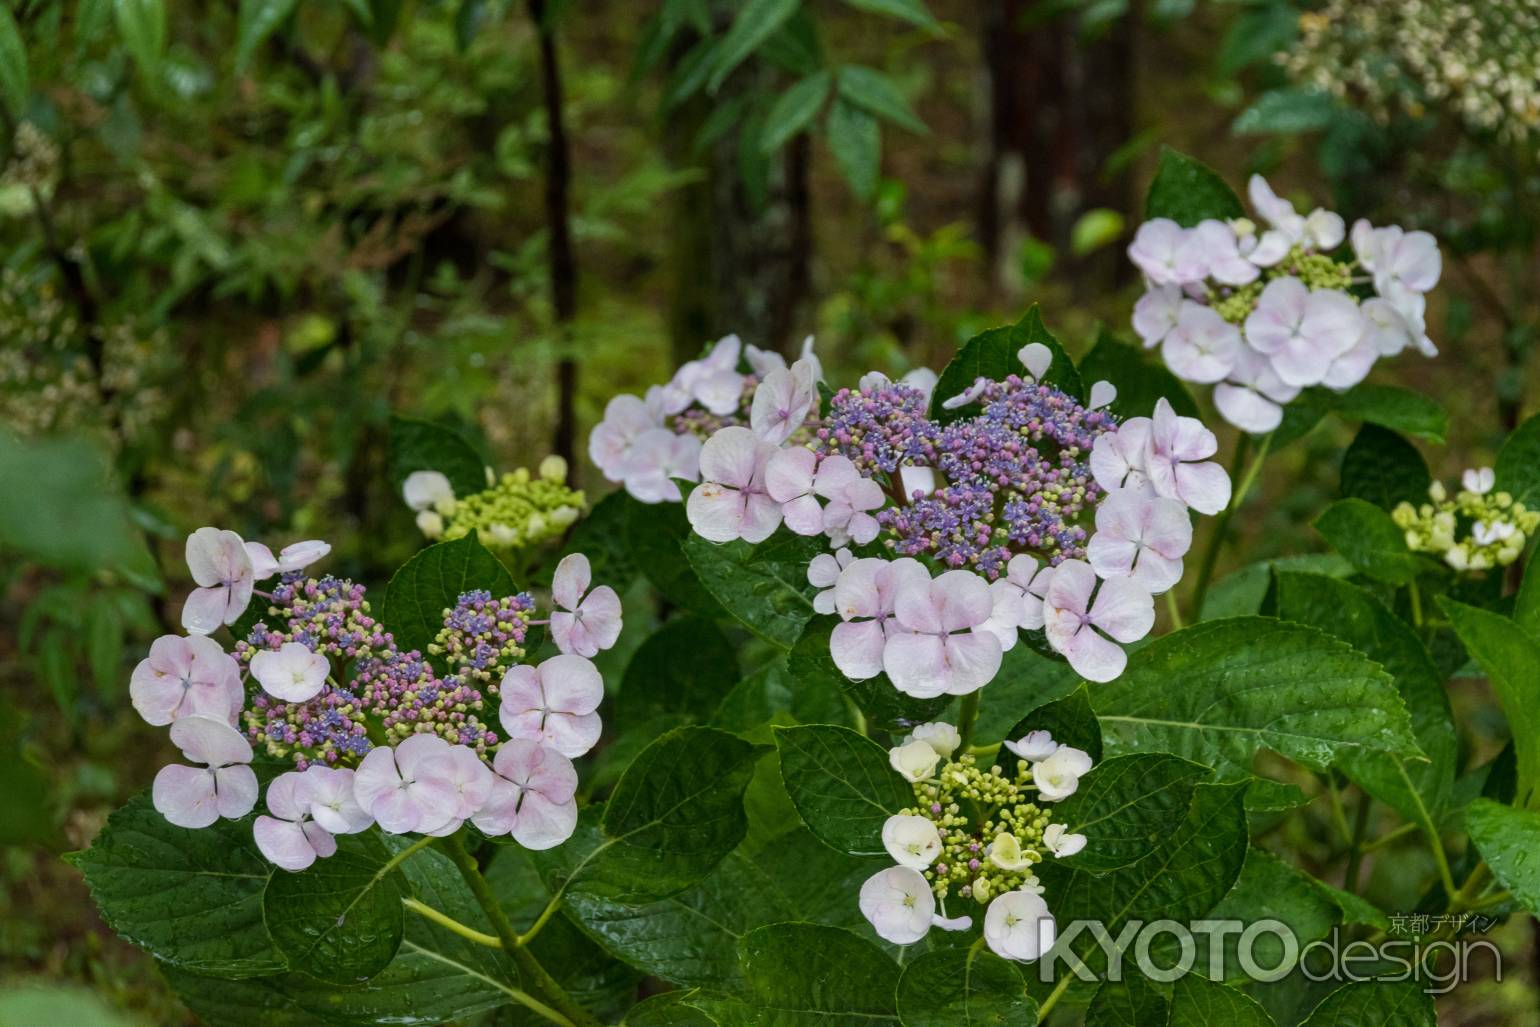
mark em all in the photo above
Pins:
pixel 880 429
pixel 1015 478
pixel 397 693
pixel 483 636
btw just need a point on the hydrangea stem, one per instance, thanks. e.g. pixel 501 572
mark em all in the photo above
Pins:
pixel 531 972
pixel 966 717
pixel 1221 528
pixel 1053 997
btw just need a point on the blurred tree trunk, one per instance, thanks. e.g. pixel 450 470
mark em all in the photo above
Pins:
pixel 563 262
pixel 1060 104
pixel 740 260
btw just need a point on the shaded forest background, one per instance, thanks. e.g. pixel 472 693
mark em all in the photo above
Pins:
pixel 238 238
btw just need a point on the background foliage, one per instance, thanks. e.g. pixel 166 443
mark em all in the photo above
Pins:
pixel 238 239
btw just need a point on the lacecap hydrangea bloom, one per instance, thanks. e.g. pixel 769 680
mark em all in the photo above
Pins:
pixel 972 840
pixel 514 511
pixel 1029 511
pixel 1473 530
pixel 375 735
pixel 645 442
pixel 1263 312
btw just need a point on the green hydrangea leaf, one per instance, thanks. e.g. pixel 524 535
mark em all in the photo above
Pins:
pixel 842 785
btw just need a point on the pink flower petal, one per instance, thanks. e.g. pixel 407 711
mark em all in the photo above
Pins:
pixel 857 649
pixel 283 843
pixel 185 796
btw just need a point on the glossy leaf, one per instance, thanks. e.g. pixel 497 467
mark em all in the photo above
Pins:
pixel 755 22
pixel 1370 540
pixel 1518 464
pixel 1188 191
pixel 765 586
pixel 340 920
pixel 687 666
pixel 432 582
pixel 1125 807
pixel 1508 840
pixel 841 784
pixel 1197 1001
pixel 1218 692
pixel 1131 1001
pixel 1140 378
pixel 192 899
pixel 963 986
pixel 810 974
pixel 1382 468
pixel 425 446
pixel 1069 720
pixel 1376 1004
pixel 1509 657
pixel 992 354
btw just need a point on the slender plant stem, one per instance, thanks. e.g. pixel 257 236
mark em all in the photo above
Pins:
pixel 1053 997
pixel 1338 817
pixel 1174 610
pixel 966 716
pixel 1390 837
pixel 1221 528
pixel 540 921
pixel 449 923
pixel 1415 595
pixel 531 972
pixel 1441 858
pixel 1356 849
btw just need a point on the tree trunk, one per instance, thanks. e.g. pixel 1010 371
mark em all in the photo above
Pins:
pixel 1059 105
pixel 563 262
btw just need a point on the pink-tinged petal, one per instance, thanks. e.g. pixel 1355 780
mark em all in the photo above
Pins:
pixel 856 592
pixel 215 556
pixel 520 689
pixel 1180 438
pixel 396 811
pixel 375 777
pixel 543 824
pixel 155 696
pixel 332 802
pixel 716 512
pixel 1036 358
pixel 1299 365
pixel 238 790
pixel 1156 573
pixel 1204 487
pixel 916 664
pixel 438 803
pixel 1246 409
pixel 571 580
pixel 571 684
pixel 601 615
pixel 210 741
pixel 283 843
pixel 731 457
pixel 863 527
pixel 319 838
pixel 263 563
pixel 565 631
pixel 824 569
pixel 789 473
pixel 917 481
pixel 803 515
pixel 414 752
pixel 761 516
pixel 1093 657
pixel 972 660
pixel 537 767
pixel 720 392
pixel 836 474
pixel 288 796
pixel 185 796
pixel 1071 586
pixel 1111 556
pixel 496 816
pixel 1123 609
pixel 204 610
pixel 963 598
pixel 238 598
pixel 302 554
pixel 1155 313
pixel 1168 529
pixel 572 735
pixel 917 605
pixel 857 649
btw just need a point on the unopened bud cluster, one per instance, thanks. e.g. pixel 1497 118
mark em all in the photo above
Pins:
pixel 1475 529
pixel 518 510
pixel 985 819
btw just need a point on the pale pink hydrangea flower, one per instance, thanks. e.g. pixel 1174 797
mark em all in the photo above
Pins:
pixel 287 835
pixel 732 501
pixel 933 643
pixel 292 673
pixel 783 400
pixel 405 787
pixel 1085 630
pixel 823 571
pixel 585 622
pixel 221 566
pixel 1177 461
pixel 224 786
pixel 532 795
pixel 185 677
pixel 864 597
pixel 1302 330
pixel 1140 536
pixel 554 703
